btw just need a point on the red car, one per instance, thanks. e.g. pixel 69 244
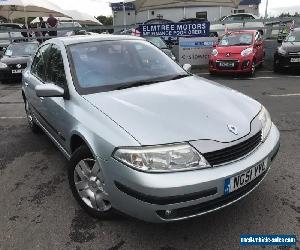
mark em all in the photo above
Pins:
pixel 238 52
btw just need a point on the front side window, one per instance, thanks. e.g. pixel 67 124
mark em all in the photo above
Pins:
pixel 55 72
pixel 39 63
pixel 108 65
pixel 237 39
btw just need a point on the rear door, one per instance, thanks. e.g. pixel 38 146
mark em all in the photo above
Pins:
pixel 36 76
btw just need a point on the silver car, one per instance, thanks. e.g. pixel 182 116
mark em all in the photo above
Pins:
pixel 143 136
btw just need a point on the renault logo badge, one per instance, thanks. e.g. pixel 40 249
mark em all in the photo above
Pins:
pixel 233 129
pixel 227 54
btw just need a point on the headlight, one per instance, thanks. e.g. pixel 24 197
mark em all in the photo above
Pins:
pixel 281 51
pixel 247 52
pixel 177 157
pixel 265 118
pixel 3 65
pixel 214 52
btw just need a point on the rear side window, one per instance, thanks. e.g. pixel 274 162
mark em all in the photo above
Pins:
pixel 55 72
pixel 39 62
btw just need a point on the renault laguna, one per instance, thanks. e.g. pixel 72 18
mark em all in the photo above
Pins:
pixel 143 136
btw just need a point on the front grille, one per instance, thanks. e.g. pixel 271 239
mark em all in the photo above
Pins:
pixel 294 53
pixel 233 153
pixel 14 66
pixel 212 204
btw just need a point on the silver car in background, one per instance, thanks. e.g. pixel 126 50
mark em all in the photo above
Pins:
pixel 142 135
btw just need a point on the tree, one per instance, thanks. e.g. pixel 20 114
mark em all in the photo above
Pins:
pixel 105 20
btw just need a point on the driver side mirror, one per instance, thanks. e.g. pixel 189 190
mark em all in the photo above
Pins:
pixel 187 67
pixel 49 90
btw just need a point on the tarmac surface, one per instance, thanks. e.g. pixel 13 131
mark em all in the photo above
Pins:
pixel 38 211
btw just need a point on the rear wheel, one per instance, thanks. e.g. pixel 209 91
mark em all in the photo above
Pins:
pixel 88 184
pixel 32 125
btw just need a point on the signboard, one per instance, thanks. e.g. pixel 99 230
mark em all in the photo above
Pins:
pixel 199 29
pixel 195 51
pixel 119 6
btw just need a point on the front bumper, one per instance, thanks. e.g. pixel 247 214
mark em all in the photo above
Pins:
pixel 150 197
pixel 7 75
pixel 285 61
pixel 241 65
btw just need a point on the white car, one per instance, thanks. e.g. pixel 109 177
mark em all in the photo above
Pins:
pixel 4 36
pixel 236 22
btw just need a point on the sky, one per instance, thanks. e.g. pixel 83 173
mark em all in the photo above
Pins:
pixel 101 7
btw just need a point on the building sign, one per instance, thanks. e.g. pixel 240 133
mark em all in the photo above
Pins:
pixel 199 29
pixel 195 51
pixel 119 6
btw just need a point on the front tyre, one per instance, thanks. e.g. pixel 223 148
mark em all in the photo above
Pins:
pixel 88 185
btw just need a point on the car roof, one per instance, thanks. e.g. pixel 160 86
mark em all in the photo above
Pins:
pixel 86 39
pixel 31 42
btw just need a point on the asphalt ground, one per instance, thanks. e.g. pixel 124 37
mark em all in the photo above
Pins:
pixel 37 210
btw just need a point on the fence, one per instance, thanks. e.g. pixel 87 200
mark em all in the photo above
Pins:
pixel 270 29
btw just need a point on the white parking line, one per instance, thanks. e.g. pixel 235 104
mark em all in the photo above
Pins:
pixel 286 95
pixel 16 117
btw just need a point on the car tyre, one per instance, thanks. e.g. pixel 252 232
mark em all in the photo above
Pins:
pixel 87 184
pixel 276 67
pixel 30 119
pixel 253 68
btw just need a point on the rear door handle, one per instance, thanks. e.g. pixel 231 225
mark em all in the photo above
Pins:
pixel 42 99
pixel 26 84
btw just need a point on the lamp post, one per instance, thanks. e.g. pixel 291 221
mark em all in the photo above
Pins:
pixel 124 14
pixel 266 11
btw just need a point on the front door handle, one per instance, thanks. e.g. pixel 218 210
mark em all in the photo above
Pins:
pixel 26 84
pixel 42 99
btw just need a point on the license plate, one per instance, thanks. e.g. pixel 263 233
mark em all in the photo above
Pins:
pixel 227 64
pixel 16 71
pixel 238 181
pixel 295 60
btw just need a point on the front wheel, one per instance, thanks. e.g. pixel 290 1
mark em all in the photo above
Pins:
pixel 88 184
pixel 253 68
pixel 276 66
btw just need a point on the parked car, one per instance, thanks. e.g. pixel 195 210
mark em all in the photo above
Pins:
pixel 238 52
pixel 4 35
pixel 236 22
pixel 288 54
pixel 64 24
pixel 142 135
pixel 15 60
pixel 160 43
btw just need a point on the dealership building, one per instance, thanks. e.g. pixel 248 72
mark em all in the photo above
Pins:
pixel 180 10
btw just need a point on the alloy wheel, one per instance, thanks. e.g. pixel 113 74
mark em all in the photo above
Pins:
pixel 90 184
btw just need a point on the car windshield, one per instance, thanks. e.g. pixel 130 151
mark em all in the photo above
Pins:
pixel 21 49
pixel 293 36
pixel 110 65
pixel 236 39
pixel 157 41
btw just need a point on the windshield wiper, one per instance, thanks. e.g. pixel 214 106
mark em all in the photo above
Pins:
pixel 179 77
pixel 137 84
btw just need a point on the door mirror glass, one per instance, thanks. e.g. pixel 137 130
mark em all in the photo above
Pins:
pixel 187 67
pixel 49 90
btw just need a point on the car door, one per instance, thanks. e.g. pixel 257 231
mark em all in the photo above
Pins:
pixel 259 48
pixel 56 107
pixel 34 76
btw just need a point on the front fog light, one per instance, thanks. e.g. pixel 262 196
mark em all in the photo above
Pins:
pixel 265 118
pixel 177 157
